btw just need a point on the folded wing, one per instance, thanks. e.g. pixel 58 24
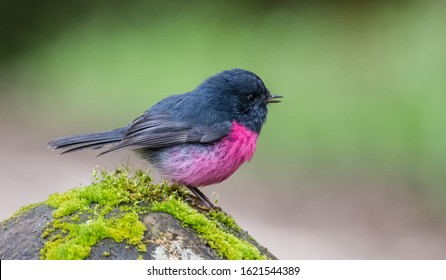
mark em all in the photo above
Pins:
pixel 159 130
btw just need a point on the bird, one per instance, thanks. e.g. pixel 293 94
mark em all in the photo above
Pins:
pixel 195 139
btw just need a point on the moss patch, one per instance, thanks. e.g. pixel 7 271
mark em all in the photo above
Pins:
pixel 110 208
pixel 225 220
pixel 224 243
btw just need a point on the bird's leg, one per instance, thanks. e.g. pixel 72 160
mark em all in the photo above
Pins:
pixel 202 197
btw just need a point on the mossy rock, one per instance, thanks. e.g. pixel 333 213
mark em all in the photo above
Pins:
pixel 124 215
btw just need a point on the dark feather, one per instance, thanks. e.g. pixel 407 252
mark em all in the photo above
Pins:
pixel 90 140
pixel 157 131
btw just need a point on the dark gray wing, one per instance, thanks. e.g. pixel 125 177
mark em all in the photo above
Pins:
pixel 160 130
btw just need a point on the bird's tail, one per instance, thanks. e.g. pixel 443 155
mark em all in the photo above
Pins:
pixel 87 141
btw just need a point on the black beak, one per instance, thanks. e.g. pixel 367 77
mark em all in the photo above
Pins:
pixel 272 99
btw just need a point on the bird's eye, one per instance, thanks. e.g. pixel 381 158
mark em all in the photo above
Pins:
pixel 252 98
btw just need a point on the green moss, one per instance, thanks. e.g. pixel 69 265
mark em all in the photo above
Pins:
pixel 81 237
pixel 110 208
pixel 224 243
pixel 225 220
pixel 70 239
pixel 108 190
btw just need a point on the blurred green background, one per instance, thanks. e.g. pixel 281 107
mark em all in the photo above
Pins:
pixel 350 165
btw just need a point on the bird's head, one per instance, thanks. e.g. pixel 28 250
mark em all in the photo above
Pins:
pixel 242 93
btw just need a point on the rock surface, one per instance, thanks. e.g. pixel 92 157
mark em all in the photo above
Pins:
pixel 166 238
pixel 21 236
pixel 124 217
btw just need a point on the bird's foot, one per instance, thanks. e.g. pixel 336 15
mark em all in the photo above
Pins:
pixel 200 201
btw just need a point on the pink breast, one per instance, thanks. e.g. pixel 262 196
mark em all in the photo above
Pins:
pixel 202 165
